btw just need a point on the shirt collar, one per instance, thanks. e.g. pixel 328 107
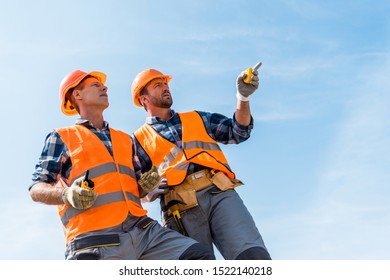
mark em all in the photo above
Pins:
pixel 155 119
pixel 88 123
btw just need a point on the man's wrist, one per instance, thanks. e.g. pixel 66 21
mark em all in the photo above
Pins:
pixel 241 97
pixel 62 196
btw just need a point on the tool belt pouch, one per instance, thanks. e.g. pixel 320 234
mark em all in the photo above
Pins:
pixel 187 196
pixel 224 183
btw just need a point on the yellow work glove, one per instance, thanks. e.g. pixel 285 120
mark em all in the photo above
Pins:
pixel 78 197
pixel 150 180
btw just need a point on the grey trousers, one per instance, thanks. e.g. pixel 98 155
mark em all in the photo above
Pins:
pixel 136 239
pixel 222 219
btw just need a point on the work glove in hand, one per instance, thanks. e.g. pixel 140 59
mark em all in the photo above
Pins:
pixel 163 188
pixel 79 197
pixel 245 90
pixel 149 180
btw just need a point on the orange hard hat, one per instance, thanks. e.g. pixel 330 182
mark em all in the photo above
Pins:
pixel 142 79
pixel 72 80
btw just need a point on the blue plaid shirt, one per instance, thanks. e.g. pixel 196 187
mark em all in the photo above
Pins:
pixel 55 161
pixel 221 128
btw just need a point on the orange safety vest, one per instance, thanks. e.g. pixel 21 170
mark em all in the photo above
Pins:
pixel 113 177
pixel 198 148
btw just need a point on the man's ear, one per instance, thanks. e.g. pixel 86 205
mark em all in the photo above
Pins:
pixel 142 99
pixel 76 94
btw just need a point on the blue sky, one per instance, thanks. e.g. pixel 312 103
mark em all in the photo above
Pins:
pixel 316 168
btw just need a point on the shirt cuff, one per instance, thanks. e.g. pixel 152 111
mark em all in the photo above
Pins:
pixel 241 127
pixel 241 97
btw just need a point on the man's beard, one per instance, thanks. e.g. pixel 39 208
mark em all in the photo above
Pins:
pixel 161 102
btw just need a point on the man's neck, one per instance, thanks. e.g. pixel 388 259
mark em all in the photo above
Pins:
pixel 96 119
pixel 163 113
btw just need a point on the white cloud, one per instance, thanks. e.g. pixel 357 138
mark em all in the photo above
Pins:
pixel 280 116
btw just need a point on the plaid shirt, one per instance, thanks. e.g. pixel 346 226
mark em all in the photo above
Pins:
pixel 55 161
pixel 221 128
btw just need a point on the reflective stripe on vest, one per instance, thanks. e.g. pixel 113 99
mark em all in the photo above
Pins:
pixel 101 200
pixel 113 177
pixel 106 168
pixel 198 147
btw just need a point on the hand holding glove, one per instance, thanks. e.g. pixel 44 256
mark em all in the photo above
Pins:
pixel 78 197
pixel 247 83
pixel 150 180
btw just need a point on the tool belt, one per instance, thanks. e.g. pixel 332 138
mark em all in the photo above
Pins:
pixel 186 192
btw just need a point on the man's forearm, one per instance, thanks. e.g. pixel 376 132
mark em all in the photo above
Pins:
pixel 46 193
pixel 243 113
